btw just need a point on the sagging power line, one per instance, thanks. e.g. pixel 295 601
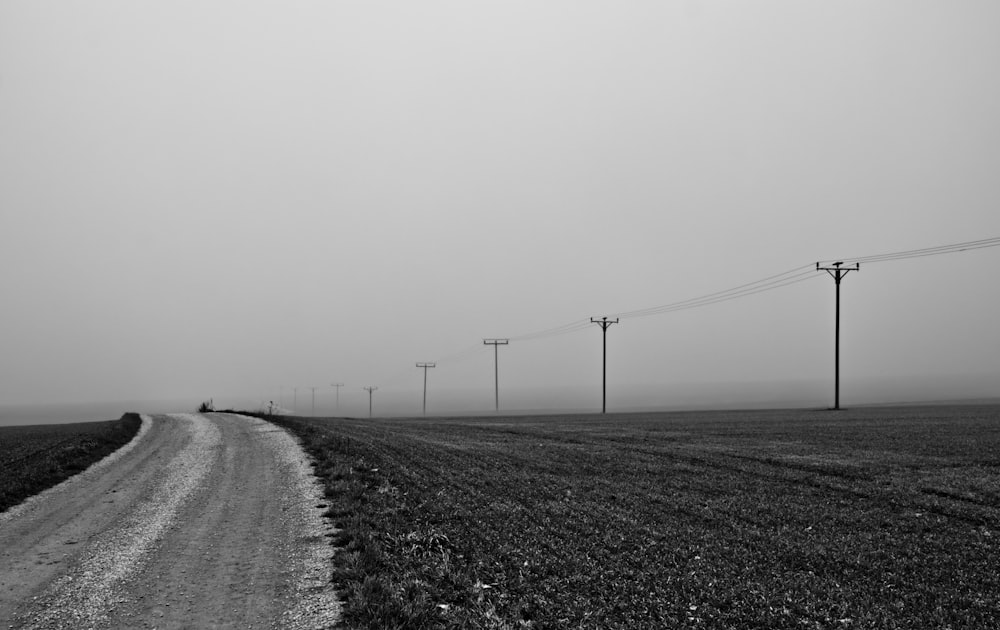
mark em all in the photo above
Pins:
pixel 937 250
pixel 769 283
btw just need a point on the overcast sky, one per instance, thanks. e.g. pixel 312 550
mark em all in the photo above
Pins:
pixel 232 199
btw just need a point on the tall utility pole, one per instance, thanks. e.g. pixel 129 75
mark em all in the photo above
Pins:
pixel 604 322
pixel 837 272
pixel 425 366
pixel 338 386
pixel 496 362
pixel 370 389
pixel 313 400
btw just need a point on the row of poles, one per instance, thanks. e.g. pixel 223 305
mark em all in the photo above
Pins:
pixel 837 271
pixel 295 396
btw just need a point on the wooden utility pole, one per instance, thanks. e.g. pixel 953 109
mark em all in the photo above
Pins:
pixel 837 272
pixel 604 322
pixel 425 366
pixel 338 386
pixel 496 363
pixel 370 389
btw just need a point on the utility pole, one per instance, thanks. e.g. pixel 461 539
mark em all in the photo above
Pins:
pixel 370 389
pixel 604 322
pixel 496 362
pixel 338 386
pixel 295 400
pixel 425 366
pixel 313 400
pixel 837 272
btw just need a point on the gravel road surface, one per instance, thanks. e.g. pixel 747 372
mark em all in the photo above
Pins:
pixel 201 521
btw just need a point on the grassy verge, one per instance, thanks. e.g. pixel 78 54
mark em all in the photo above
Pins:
pixel 37 457
pixel 857 519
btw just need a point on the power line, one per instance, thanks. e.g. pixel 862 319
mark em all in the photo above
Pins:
pixel 769 283
pixel 937 250
pixel 579 324
pixel 776 281
pixel 721 296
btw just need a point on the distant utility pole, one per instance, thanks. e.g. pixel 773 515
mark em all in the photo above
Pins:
pixel 496 363
pixel 837 272
pixel 425 366
pixel 295 400
pixel 370 389
pixel 313 400
pixel 338 386
pixel 604 322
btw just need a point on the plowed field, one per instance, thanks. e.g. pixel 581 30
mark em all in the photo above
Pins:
pixel 867 518
pixel 37 457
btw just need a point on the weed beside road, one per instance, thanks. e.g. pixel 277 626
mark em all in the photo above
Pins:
pixel 37 457
pixel 869 518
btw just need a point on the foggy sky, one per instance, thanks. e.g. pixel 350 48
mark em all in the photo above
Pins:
pixel 232 199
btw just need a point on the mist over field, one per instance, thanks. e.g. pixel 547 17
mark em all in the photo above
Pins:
pixel 235 200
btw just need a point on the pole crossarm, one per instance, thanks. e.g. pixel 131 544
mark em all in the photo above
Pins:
pixel 604 322
pixel 496 343
pixel 837 271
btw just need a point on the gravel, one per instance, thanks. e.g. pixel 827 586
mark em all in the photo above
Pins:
pixel 117 564
pixel 82 597
pixel 30 504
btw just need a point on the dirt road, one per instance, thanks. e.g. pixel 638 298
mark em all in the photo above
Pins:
pixel 202 521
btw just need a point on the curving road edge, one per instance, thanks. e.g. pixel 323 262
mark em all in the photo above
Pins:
pixel 201 520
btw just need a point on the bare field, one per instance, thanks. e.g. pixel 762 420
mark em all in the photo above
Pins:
pixel 37 457
pixel 865 518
